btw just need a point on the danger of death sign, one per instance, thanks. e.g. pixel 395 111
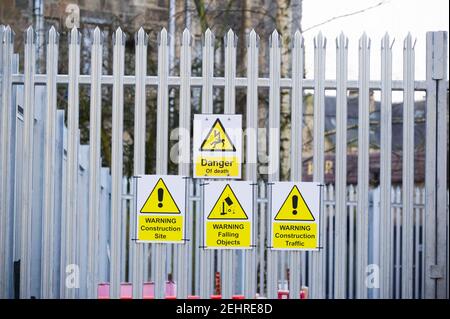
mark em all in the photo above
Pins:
pixel 160 204
pixel 295 215
pixel 228 215
pixel 217 146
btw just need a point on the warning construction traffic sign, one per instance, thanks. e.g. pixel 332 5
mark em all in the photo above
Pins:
pixel 228 212
pixel 160 201
pixel 295 215
pixel 217 145
pixel 294 208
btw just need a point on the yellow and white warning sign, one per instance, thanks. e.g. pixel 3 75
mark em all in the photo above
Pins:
pixel 217 145
pixel 160 203
pixel 228 215
pixel 295 215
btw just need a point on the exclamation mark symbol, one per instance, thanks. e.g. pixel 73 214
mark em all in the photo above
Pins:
pixel 160 197
pixel 294 204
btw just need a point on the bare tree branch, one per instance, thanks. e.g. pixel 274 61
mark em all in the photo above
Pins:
pixel 346 15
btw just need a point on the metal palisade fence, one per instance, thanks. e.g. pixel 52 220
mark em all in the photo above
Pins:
pixel 67 223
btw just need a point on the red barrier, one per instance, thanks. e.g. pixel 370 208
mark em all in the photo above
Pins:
pixel 304 293
pixel 238 297
pixel 170 297
pixel 148 291
pixel 216 296
pixel 126 290
pixel 283 294
pixel 103 291
pixel 193 297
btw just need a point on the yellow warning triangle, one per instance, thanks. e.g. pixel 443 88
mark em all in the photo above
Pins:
pixel 217 140
pixel 160 201
pixel 294 208
pixel 227 206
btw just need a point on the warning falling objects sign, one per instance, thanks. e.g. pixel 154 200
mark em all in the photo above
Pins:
pixel 227 206
pixel 295 215
pixel 161 208
pixel 217 146
pixel 228 223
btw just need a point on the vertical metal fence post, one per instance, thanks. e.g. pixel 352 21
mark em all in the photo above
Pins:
pixel 274 150
pixel 262 237
pixel 251 155
pixel 363 165
pixel 386 236
pixel 137 250
pixel 5 108
pixel 442 260
pixel 185 251
pixel 351 242
pixel 27 208
pixel 340 262
pixel 94 161
pixel 436 218
pixel 71 210
pixel 318 258
pixel 161 149
pixel 230 42
pixel 408 168
pixel 296 149
pixel 117 160
pixel 48 253
pixel 207 107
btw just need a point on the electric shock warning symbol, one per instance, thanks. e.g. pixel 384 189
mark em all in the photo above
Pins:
pixel 160 201
pixel 217 140
pixel 227 206
pixel 294 208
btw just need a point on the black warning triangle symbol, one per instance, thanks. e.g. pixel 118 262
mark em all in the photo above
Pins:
pixel 227 206
pixel 160 201
pixel 295 208
pixel 217 140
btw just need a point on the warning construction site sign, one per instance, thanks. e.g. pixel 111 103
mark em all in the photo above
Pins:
pixel 217 145
pixel 295 215
pixel 228 215
pixel 160 204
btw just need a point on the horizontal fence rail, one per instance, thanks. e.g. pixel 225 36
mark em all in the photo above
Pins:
pixel 62 210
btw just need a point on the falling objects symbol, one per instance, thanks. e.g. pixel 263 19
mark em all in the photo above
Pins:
pixel 160 197
pixel 229 202
pixel 294 204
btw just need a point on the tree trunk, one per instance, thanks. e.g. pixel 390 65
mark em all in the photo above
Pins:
pixel 283 21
